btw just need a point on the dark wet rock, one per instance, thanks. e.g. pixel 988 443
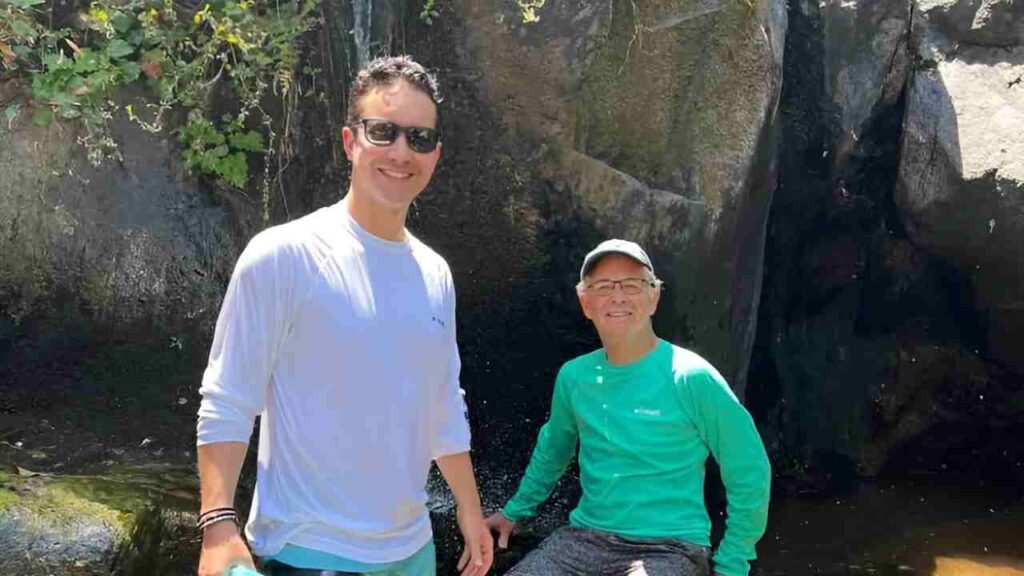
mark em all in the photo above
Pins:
pixel 865 64
pixel 113 251
pixel 890 294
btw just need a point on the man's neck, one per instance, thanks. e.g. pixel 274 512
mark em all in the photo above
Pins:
pixel 381 221
pixel 630 348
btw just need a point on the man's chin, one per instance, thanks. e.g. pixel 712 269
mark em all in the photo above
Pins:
pixel 396 199
pixel 610 330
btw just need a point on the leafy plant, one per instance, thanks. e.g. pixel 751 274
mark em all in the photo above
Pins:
pixel 209 150
pixel 19 31
pixel 249 47
pixel 429 12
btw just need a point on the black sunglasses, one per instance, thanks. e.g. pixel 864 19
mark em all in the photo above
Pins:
pixel 384 133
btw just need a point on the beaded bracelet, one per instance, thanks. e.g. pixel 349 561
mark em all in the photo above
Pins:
pixel 215 510
pixel 216 515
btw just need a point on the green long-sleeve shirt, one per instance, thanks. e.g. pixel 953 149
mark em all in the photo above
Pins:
pixel 644 432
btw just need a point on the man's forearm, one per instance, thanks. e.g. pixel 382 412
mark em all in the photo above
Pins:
pixel 457 470
pixel 220 464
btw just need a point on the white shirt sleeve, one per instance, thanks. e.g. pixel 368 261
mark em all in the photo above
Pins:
pixel 449 416
pixel 254 320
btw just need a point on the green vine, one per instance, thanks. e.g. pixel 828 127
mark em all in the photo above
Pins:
pixel 248 48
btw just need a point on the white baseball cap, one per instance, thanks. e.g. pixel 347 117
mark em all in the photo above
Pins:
pixel 615 246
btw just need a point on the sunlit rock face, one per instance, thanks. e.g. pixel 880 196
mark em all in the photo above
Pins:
pixel 961 182
pixel 655 123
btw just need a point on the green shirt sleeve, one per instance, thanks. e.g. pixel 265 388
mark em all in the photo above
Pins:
pixel 556 446
pixel 731 436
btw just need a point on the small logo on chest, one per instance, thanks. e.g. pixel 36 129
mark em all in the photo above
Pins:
pixel 647 411
pixel 438 321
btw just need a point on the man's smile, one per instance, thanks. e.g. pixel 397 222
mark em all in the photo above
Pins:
pixel 395 173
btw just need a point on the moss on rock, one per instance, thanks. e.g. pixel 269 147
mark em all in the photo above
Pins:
pixel 94 524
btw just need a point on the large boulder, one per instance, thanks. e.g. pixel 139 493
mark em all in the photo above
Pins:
pixel 961 180
pixel 130 243
pixel 880 325
pixel 654 122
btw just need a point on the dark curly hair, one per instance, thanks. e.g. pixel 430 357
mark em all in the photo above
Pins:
pixel 386 70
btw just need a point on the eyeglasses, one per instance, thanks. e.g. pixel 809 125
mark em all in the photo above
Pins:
pixel 630 286
pixel 384 133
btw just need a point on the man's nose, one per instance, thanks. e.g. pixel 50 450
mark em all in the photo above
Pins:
pixel 618 292
pixel 399 149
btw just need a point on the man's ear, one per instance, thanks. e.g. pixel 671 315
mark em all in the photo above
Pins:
pixel 584 302
pixel 654 299
pixel 348 141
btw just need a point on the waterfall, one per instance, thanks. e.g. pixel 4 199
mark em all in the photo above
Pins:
pixel 362 14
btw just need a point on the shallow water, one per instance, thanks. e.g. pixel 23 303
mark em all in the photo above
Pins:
pixel 910 528
pixel 897 530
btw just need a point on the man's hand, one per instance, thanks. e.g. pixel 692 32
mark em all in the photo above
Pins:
pixel 502 525
pixel 478 554
pixel 223 547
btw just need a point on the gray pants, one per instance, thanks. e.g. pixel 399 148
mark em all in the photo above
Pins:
pixel 580 552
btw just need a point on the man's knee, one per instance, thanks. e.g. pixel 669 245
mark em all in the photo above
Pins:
pixel 563 553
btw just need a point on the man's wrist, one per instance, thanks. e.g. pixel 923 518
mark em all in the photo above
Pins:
pixel 217 515
pixel 511 517
pixel 472 509
pixel 220 532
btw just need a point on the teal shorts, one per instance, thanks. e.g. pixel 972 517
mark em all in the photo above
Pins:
pixel 422 563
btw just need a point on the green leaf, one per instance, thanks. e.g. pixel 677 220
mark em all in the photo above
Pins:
pixel 54 60
pixel 119 48
pixel 249 141
pixel 87 61
pixel 24 3
pixel 22 27
pixel 97 81
pixel 43 117
pixel 234 169
pixel 42 89
pixel 122 22
pixel 153 55
pixel 64 100
pixel 135 37
pixel 11 112
pixel 190 159
pixel 130 71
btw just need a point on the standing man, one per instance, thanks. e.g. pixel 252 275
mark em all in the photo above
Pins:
pixel 645 415
pixel 339 330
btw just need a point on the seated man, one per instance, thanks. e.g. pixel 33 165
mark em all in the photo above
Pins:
pixel 645 414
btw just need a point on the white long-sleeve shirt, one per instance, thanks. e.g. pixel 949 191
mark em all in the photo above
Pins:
pixel 344 343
